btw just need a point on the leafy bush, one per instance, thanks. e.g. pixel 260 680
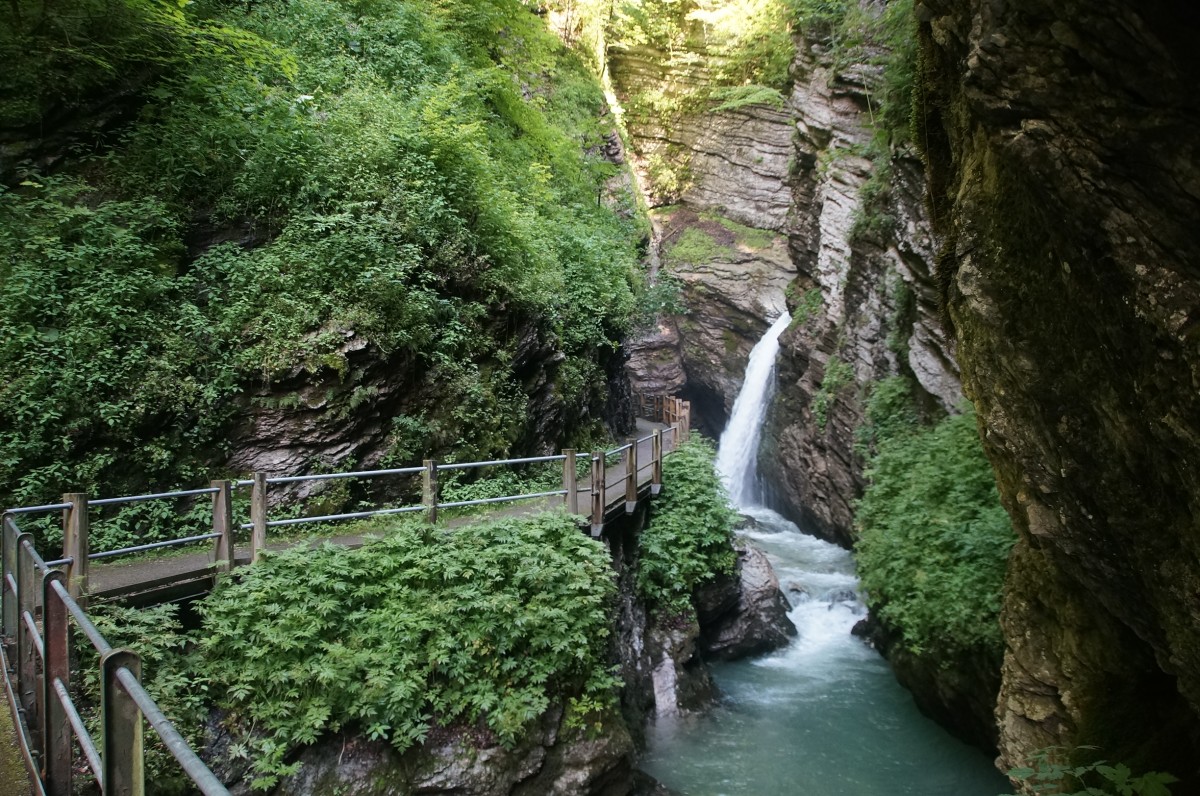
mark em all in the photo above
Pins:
pixel 747 45
pixel 1049 773
pixel 171 673
pixel 837 375
pixel 420 176
pixel 489 623
pixel 689 537
pixel 933 538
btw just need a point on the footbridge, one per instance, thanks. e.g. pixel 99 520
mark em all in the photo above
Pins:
pixel 42 603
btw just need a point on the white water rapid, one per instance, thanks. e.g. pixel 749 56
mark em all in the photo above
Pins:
pixel 823 716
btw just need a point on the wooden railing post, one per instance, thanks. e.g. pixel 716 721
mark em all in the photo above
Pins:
pixel 8 549
pixel 656 456
pixel 570 482
pixel 222 524
pixel 631 477
pixel 597 493
pixel 57 741
pixel 429 490
pixel 122 721
pixel 28 691
pixel 75 545
pixel 258 516
pixel 687 420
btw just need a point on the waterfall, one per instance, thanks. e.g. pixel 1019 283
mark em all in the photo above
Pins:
pixel 737 452
pixel 798 720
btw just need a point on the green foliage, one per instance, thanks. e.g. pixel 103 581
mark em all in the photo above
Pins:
pixel 858 33
pixel 171 672
pixel 746 45
pixel 59 55
pixel 486 624
pixel 838 374
pixel 419 172
pixel 865 33
pixel 664 296
pixel 890 413
pixel 806 306
pixel 1048 772
pixel 689 537
pixel 111 372
pixel 933 538
pixel 459 485
pixel 695 247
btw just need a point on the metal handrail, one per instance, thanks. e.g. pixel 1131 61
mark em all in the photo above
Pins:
pixel 82 736
pixel 527 460
pixel 483 501
pixel 46 678
pixel 141 548
pixel 155 496
pixel 290 479
pixel 193 766
pixel 35 509
pixel 355 515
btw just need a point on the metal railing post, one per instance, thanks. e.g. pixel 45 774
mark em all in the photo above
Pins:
pixel 122 758
pixel 76 546
pixel 656 456
pixel 631 476
pixel 570 482
pixel 597 492
pixel 258 516
pixel 429 490
pixel 222 523
pixel 57 743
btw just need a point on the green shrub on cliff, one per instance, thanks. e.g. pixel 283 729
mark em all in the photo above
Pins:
pixel 486 625
pixel 690 534
pixel 933 537
pixel 422 178
pixel 1051 771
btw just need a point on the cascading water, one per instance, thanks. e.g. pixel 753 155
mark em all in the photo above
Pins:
pixel 738 450
pixel 823 717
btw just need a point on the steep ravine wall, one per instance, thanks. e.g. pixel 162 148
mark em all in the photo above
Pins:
pixel 1062 154
pixel 857 279
pixel 770 215
pixel 864 304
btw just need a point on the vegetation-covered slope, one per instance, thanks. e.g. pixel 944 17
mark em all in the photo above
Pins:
pixel 300 182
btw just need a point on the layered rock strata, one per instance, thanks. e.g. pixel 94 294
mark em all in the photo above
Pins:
pixel 864 303
pixel 1062 156
pixel 770 214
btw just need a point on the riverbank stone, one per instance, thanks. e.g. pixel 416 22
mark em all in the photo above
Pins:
pixel 745 613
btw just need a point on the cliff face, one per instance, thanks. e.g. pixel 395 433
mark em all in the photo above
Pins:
pixel 863 304
pixel 768 212
pixel 1062 158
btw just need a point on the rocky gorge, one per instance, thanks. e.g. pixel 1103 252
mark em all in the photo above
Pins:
pixel 785 207
pixel 1032 250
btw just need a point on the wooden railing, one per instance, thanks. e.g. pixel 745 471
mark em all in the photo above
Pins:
pixel 40 601
pixel 39 614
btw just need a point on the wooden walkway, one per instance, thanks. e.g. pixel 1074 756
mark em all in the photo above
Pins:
pixel 41 601
pixel 159 578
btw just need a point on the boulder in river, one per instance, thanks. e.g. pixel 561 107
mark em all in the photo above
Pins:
pixel 744 613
